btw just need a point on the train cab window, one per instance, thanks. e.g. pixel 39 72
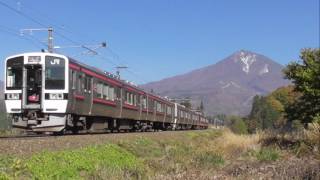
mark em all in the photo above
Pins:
pixel 54 72
pixel 14 73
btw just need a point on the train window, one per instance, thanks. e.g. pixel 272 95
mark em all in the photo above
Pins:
pixel 111 93
pixel 54 72
pixel 159 106
pixel 127 97
pixel 88 83
pixel 79 83
pixel 135 100
pixel 105 91
pixel 100 90
pixel 14 73
pixel 150 105
pixel 169 110
pixel 131 99
pixel 118 90
pixel 144 102
pixel 74 79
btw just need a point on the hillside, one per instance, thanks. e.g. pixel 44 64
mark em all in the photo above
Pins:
pixel 226 87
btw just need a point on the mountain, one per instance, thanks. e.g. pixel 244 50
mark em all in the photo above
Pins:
pixel 226 87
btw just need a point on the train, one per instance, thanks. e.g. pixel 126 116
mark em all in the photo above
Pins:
pixel 53 93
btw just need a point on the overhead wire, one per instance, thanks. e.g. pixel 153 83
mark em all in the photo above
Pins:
pixel 12 32
pixel 65 37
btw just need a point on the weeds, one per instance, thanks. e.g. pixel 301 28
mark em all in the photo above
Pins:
pixel 147 158
pixel 267 154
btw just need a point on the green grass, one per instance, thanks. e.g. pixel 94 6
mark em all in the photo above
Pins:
pixel 267 154
pixel 209 159
pixel 75 164
pixel 139 158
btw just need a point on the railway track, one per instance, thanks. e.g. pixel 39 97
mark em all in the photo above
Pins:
pixel 26 136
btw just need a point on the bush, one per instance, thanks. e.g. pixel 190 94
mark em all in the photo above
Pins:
pixel 238 125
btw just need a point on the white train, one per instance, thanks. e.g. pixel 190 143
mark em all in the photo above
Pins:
pixel 48 92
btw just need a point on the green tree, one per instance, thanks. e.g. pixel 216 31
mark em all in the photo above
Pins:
pixel 305 74
pixel 237 125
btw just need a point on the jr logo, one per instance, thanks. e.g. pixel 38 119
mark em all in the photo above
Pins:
pixel 55 61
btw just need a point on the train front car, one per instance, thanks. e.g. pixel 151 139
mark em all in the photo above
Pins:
pixel 36 91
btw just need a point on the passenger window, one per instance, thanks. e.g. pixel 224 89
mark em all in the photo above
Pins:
pixel 88 83
pixel 111 93
pixel 105 91
pixel 79 84
pixel 100 90
pixel 74 79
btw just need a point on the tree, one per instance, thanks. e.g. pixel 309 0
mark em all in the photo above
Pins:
pixel 305 74
pixel 237 125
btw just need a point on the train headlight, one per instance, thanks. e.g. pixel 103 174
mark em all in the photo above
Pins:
pixel 13 96
pixel 56 96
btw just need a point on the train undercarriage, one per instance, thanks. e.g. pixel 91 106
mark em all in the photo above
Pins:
pixel 73 124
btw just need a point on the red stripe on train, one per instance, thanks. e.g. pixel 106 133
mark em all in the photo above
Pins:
pixel 79 97
pixel 128 106
pixel 105 102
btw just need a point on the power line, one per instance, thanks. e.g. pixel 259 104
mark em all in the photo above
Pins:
pixel 21 13
pixel 31 39
pixel 61 35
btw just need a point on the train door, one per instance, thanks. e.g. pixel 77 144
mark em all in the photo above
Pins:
pixel 88 94
pixel 32 88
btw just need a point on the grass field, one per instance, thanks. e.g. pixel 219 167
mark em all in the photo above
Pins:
pixel 205 154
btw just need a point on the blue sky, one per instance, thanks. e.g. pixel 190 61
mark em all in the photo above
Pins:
pixel 161 38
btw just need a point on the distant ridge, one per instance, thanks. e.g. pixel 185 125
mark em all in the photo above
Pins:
pixel 226 87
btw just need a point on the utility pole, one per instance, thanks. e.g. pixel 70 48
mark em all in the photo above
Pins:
pixel 50 35
pixel 50 39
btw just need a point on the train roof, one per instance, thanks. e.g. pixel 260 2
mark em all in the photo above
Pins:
pixel 123 82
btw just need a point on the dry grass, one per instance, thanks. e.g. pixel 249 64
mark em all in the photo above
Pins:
pixel 232 145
